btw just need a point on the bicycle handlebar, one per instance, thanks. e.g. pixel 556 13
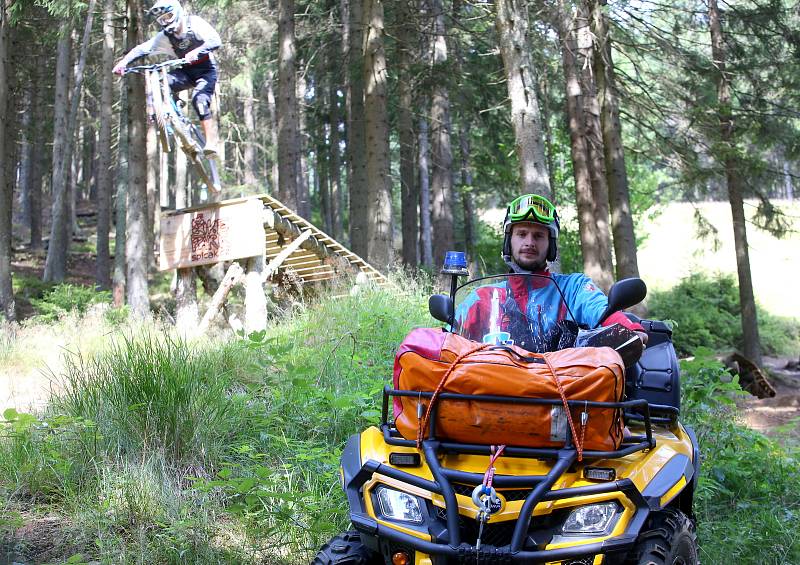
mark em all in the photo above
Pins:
pixel 172 63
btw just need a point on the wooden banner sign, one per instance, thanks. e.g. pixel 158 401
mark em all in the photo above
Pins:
pixel 218 232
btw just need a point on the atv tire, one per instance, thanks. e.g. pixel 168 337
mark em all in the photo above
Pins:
pixel 346 549
pixel 669 538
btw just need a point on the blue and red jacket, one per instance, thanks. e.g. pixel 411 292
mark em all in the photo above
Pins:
pixel 537 304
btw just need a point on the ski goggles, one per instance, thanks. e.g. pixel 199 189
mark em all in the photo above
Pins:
pixel 528 205
pixel 166 18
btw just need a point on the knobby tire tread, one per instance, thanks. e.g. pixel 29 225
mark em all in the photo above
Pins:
pixel 668 535
pixel 346 549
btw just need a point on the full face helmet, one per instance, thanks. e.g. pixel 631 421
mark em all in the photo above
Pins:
pixel 168 14
pixel 536 209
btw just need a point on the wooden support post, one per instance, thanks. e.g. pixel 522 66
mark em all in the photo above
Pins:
pixel 233 275
pixel 283 255
pixel 255 302
pixel 186 309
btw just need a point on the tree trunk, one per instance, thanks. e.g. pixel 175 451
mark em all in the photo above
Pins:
pixel 592 263
pixel 183 197
pixel 137 237
pixel 337 191
pixel 752 343
pixel 151 147
pixel 57 270
pixel 616 175
pixel 38 159
pixel 594 139
pixel 121 200
pixel 512 27
pixel 426 237
pixel 409 193
pixel 56 263
pixel 379 196
pixel 25 158
pixel 441 152
pixel 272 110
pixel 464 147
pixel 356 140
pixel 303 144
pixel 322 152
pixel 104 178
pixel 288 124
pixel 465 190
pixel 7 308
pixel 249 115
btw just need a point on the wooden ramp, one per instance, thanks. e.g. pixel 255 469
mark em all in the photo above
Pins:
pixel 293 248
pixel 317 256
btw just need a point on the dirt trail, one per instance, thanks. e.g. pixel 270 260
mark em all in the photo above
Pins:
pixel 777 417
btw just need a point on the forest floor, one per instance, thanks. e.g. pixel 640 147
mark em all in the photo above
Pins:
pixel 777 417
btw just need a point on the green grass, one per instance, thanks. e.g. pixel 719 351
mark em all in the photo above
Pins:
pixel 748 501
pixel 157 450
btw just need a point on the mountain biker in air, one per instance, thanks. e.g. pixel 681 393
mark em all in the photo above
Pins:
pixel 530 310
pixel 192 38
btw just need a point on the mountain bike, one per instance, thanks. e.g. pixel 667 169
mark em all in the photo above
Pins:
pixel 172 124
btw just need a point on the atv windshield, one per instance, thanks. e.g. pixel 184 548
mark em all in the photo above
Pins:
pixel 524 310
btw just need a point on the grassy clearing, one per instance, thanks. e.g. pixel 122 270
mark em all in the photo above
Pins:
pixel 155 450
pixel 162 451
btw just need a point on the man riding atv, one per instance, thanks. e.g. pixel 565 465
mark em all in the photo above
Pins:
pixel 537 310
pixel 504 449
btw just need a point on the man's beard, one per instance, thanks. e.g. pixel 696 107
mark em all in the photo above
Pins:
pixel 531 266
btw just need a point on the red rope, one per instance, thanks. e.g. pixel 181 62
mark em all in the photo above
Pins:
pixel 488 477
pixel 578 444
pixel 424 422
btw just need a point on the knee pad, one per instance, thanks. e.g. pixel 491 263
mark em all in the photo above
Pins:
pixel 202 105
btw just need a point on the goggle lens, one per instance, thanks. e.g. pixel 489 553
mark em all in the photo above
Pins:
pixel 166 18
pixel 528 204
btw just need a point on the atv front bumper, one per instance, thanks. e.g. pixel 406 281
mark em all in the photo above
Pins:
pixel 455 550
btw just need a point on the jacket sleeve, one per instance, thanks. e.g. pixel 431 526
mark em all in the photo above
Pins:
pixel 587 302
pixel 210 37
pixel 155 45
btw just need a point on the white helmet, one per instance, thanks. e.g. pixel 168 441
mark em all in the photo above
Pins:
pixel 168 14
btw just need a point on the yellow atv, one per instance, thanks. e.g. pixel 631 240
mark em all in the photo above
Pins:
pixel 428 502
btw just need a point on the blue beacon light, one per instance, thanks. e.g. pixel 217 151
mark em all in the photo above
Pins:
pixel 455 263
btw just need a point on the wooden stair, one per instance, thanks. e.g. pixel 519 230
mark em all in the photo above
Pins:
pixel 319 257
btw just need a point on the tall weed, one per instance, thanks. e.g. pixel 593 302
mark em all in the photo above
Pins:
pixel 748 500
pixel 322 372
pixel 156 395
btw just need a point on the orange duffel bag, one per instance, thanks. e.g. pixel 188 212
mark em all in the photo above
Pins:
pixel 431 359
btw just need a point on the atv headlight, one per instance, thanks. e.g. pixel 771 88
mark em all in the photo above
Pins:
pixel 597 519
pixel 399 506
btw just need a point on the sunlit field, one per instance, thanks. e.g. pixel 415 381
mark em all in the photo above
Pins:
pixel 672 250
